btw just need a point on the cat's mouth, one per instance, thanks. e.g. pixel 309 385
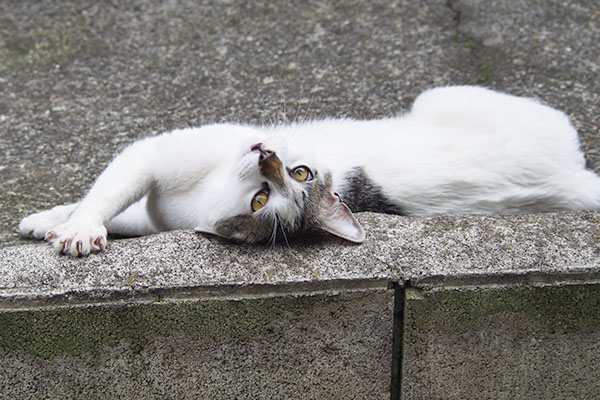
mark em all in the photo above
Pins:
pixel 256 147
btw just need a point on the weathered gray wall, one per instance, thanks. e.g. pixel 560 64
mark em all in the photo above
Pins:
pixel 492 303
pixel 306 346
pixel 511 342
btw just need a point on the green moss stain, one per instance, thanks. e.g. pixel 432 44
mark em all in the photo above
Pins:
pixel 572 308
pixel 485 74
pixel 47 333
pixel 47 50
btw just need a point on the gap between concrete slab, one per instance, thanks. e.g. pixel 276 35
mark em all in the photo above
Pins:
pixel 534 279
pixel 407 290
pixel 397 340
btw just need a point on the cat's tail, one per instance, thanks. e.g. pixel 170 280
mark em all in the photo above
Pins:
pixel 585 191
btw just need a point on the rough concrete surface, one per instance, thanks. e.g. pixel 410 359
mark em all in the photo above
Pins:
pixel 80 79
pixel 502 343
pixel 424 251
pixel 312 347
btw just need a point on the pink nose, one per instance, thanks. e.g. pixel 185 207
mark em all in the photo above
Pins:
pixel 265 155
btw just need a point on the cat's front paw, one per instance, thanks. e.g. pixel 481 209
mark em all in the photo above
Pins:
pixel 37 225
pixel 77 239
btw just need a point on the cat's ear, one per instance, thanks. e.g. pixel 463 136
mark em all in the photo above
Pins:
pixel 336 218
pixel 206 229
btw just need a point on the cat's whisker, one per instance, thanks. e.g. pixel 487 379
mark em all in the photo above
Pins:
pixel 300 103
pixel 274 114
pixel 265 111
pixel 310 101
pixel 297 113
pixel 321 113
pixel 273 238
pixel 299 106
pixel 305 117
pixel 283 232
pixel 284 118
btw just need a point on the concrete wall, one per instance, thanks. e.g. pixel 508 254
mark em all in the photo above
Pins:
pixel 319 346
pixel 512 342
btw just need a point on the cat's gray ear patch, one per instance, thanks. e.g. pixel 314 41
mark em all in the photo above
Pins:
pixel 336 218
pixel 243 228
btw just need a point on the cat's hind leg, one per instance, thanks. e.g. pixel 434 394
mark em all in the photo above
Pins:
pixel 39 224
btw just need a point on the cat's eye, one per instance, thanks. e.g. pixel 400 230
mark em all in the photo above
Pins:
pixel 259 200
pixel 302 174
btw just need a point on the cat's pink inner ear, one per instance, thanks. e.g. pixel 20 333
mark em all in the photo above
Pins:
pixel 336 218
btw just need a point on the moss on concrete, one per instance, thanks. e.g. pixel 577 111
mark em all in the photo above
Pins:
pixel 571 308
pixel 47 333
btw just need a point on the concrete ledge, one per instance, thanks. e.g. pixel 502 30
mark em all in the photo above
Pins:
pixel 396 315
pixel 444 250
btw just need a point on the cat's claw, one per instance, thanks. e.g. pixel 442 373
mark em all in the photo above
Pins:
pixel 78 240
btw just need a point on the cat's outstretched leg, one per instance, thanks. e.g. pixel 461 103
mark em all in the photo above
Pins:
pixel 134 221
pixel 127 178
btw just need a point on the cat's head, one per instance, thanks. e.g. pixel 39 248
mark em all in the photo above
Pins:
pixel 275 192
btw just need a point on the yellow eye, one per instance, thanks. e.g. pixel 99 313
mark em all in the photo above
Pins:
pixel 259 200
pixel 302 174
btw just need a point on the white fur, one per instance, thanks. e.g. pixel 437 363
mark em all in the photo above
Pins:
pixel 460 150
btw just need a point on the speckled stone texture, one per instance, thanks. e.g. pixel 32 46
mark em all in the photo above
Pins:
pixel 80 79
pixel 309 347
pixel 509 342
pixel 427 252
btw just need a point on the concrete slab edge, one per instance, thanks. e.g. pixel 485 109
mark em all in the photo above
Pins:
pixel 102 297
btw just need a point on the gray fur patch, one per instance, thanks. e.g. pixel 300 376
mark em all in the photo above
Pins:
pixel 361 194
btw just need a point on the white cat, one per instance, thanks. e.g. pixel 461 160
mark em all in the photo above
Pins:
pixel 460 150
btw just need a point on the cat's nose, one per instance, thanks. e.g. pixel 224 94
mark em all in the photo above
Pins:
pixel 265 155
pixel 271 167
